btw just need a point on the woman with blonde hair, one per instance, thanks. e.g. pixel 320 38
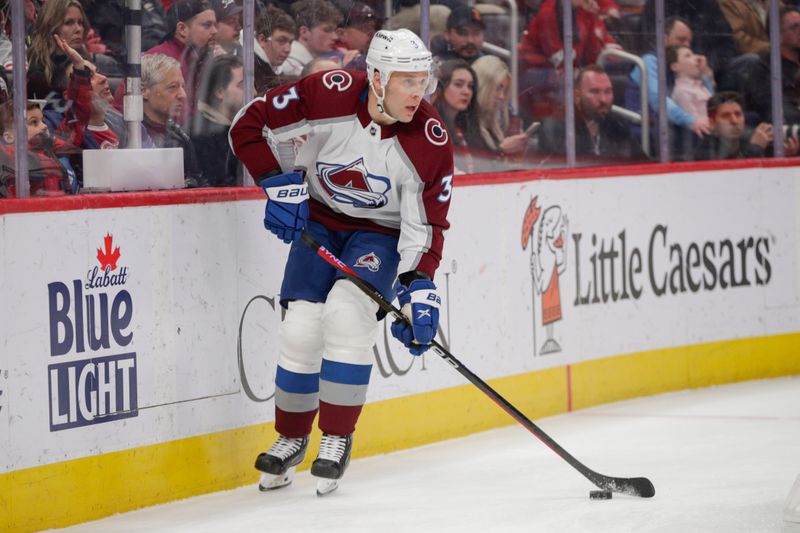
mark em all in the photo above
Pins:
pixel 494 83
pixel 47 62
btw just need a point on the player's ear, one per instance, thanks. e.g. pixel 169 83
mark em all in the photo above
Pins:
pixel 376 81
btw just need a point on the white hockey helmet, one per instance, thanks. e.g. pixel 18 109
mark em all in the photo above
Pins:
pixel 401 51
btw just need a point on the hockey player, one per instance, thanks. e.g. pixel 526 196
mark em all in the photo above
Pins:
pixel 372 183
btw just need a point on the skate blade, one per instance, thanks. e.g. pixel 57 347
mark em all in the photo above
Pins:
pixel 326 486
pixel 272 482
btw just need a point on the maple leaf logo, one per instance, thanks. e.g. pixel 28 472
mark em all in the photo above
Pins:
pixel 106 257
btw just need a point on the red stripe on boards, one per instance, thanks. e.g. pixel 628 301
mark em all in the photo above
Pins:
pixel 232 194
pixel 77 202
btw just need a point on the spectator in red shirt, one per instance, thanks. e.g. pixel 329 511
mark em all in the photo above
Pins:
pixel 542 45
pixel 49 170
pixel 191 40
pixel 106 128
pixel 542 51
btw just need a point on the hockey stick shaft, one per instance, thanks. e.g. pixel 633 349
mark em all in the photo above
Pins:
pixel 634 486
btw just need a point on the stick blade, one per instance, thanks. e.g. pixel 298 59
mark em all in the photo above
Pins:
pixel 640 487
pixel 643 487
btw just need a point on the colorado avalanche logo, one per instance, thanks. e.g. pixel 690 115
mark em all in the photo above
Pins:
pixel 370 261
pixel 435 133
pixel 354 185
pixel 337 78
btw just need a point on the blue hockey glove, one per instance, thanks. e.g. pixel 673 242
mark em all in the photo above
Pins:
pixel 287 207
pixel 420 303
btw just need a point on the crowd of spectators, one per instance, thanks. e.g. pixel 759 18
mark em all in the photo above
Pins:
pixel 192 78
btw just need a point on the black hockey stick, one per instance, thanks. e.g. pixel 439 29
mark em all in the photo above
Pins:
pixel 637 486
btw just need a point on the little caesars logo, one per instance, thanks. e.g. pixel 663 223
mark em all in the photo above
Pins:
pixel 88 318
pixel 610 269
pixel 548 240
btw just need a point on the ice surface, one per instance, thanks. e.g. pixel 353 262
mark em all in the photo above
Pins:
pixel 722 459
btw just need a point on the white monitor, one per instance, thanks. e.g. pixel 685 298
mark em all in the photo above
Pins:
pixel 133 169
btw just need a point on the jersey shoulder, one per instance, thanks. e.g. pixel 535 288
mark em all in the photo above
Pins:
pixel 333 93
pixel 426 142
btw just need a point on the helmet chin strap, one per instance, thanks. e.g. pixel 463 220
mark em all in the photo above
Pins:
pixel 381 108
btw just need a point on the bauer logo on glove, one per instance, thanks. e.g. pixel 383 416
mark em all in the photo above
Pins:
pixel 287 209
pixel 292 193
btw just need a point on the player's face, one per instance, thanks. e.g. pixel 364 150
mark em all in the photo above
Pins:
pixel 277 46
pixel 728 121
pixel 201 30
pixel 72 28
pixel 228 29
pixel 404 93
pixel 165 99
pixel 458 93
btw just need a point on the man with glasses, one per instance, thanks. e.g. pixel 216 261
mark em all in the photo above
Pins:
pixel 463 38
pixel 316 21
pixel 275 31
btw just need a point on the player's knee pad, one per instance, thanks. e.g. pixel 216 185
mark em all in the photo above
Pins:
pixel 301 337
pixel 350 324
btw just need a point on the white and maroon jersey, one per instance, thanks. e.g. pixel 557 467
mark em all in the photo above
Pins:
pixel 361 176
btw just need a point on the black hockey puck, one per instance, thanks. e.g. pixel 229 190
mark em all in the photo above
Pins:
pixel 600 494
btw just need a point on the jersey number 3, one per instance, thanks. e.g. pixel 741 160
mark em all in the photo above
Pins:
pixel 447 189
pixel 282 100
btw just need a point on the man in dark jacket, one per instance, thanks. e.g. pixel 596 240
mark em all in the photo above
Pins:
pixel 221 97
pixel 597 132
pixel 463 38
pixel 728 138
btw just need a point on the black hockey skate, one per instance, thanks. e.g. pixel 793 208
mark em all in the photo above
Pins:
pixel 332 461
pixel 278 464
